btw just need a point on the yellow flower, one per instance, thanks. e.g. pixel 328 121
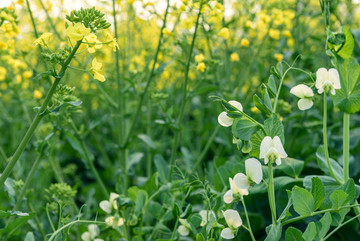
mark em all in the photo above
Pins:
pixel 167 32
pixel 201 66
pixel 95 70
pixel 278 57
pixel 244 42
pixel 112 41
pixel 93 42
pixel 3 45
pixel 3 72
pixel 254 109
pixel 27 74
pixel 287 33
pixel 37 94
pixel 18 79
pixel 43 40
pixel 249 24
pixel 234 57
pixel 225 33
pixel 274 33
pixel 199 58
pixel 77 32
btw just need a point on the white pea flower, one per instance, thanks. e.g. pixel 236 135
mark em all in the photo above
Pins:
pixel 234 189
pixel 327 80
pixel 304 93
pixel 207 216
pixel 107 206
pixel 184 228
pixel 91 234
pixel 253 174
pixel 224 119
pixel 114 221
pixel 233 221
pixel 272 150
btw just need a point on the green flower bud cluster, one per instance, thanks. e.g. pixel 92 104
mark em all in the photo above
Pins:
pixel 60 193
pixel 7 15
pixel 58 57
pixel 64 94
pixel 90 18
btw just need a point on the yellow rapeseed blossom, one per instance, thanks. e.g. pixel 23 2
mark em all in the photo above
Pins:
pixel 278 57
pixel 77 32
pixel 93 42
pixel 244 42
pixel 254 109
pixel 225 33
pixel 37 94
pixel 112 43
pixel 234 57
pixel 274 33
pixel 44 39
pixel 199 58
pixel 286 33
pixel 18 79
pixel 167 32
pixel 201 66
pixel 95 70
pixel 3 45
pixel 3 72
pixel 27 74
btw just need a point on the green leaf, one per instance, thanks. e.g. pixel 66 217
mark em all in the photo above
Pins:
pixel 271 84
pixel 134 159
pixel 140 203
pixel 310 232
pixel 318 191
pixel 303 201
pixel 187 212
pixel 176 211
pixel 273 127
pixel 349 188
pixel 10 213
pixel 293 234
pixel 259 103
pixel 147 140
pixel 324 225
pixel 348 97
pixel 322 163
pixel 338 198
pixel 266 98
pixel 246 147
pixel 69 103
pixel 199 237
pixel 291 166
pixel 29 237
pixel 348 47
pixel 161 167
pixel 243 128
pixel 256 140
pixel 273 232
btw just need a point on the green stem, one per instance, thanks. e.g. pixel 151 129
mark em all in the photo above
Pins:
pixel 317 213
pixel 338 227
pixel 37 118
pixel 271 194
pixel 247 219
pixel 184 95
pixel 346 146
pixel 150 78
pixel 53 236
pixel 279 89
pixel 326 150
pixel 121 108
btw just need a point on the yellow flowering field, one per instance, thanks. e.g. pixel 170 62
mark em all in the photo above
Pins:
pixel 173 120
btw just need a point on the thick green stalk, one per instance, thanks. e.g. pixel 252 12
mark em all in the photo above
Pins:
pixel 326 150
pixel 247 220
pixel 271 193
pixel 184 96
pixel 121 107
pixel 37 118
pixel 346 145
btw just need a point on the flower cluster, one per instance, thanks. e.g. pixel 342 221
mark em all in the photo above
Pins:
pixel 110 207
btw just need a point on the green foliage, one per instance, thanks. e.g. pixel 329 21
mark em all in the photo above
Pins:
pixel 303 201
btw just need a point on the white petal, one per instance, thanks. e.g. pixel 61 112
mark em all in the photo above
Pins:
pixel 266 143
pixel 86 236
pixel 98 239
pixel 266 160
pixel 321 76
pixel 112 200
pixel 332 91
pixel 278 161
pixel 106 206
pixel 253 170
pixel 305 104
pixel 93 230
pixel 236 104
pixel 334 77
pixel 232 218
pixel 184 222
pixel 241 181
pixel 227 233
pixel 279 147
pixel 224 120
pixel 302 91
pixel 206 216
pixel 183 231
pixel 236 190
pixel 228 197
